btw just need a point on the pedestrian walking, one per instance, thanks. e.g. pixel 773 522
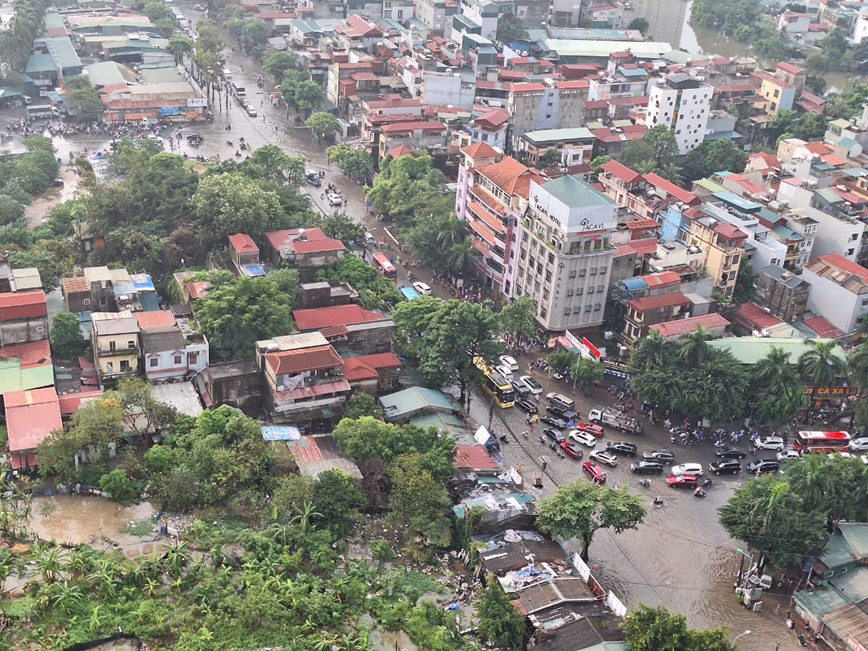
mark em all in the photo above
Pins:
pixel 778 608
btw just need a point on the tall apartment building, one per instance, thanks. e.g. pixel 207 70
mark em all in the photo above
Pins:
pixel 545 104
pixel 682 103
pixel 565 253
pixel 491 197
pixel 723 245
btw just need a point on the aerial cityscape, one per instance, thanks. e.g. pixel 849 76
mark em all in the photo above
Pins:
pixel 433 325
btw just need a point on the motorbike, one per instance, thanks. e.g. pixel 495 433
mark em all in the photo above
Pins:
pixel 707 483
pixel 645 483
pixel 699 492
pixel 503 438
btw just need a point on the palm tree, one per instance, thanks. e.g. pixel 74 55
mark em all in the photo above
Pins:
pixel 857 367
pixel 653 352
pixel 452 231
pixel 693 348
pixel 811 479
pixel 461 255
pixel 774 367
pixel 820 366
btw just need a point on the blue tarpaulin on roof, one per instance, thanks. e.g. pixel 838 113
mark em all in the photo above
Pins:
pixel 280 433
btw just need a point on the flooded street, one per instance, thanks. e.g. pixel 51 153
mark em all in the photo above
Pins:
pixel 77 520
pixel 670 22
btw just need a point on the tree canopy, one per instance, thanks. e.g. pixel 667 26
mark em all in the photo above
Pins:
pixel 67 342
pixel 375 290
pixel 580 509
pixel 658 629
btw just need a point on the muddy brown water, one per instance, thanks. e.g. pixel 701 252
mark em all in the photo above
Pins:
pixel 77 520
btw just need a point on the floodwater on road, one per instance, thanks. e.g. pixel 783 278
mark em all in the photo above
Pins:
pixel 78 520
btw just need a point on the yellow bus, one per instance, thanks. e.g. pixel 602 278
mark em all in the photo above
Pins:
pixel 496 384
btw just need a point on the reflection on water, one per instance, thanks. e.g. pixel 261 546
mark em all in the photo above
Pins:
pixel 76 519
pixel 669 21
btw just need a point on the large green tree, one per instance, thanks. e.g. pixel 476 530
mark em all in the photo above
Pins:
pixel 353 161
pixel 67 341
pixel 713 156
pixel 821 365
pixel 239 312
pixel 659 629
pixel 83 98
pixel 780 390
pixel 419 500
pixel 769 516
pixel 580 509
pixel 499 622
pixel 322 124
pixel 375 290
pixel 518 319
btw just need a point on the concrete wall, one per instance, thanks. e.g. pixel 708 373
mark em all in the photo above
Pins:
pixel 23 331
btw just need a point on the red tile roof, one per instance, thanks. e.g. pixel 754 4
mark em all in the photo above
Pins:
pixel 406 127
pixel 400 150
pixel 157 319
pixel 511 176
pixel 243 243
pixel 72 402
pixel 686 326
pixel 754 317
pixel 790 68
pixel 646 303
pixel 198 289
pixel 729 231
pixel 303 359
pixel 32 355
pixel 22 305
pixel 75 285
pixel 671 189
pixel 31 416
pixel 318 246
pixel 339 315
pixel 480 150
pixel 280 239
pixel 823 328
pixel 365 367
pixel 625 134
pixel 837 261
pixel 620 171
pixel 641 224
pixel 474 458
pixel 662 279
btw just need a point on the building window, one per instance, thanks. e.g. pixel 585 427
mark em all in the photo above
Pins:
pixel 588 308
pixel 593 271
pixel 125 366
pixel 177 359
pixel 598 307
pixel 569 292
pixel 573 273
pixel 602 271
pixel 193 358
pixel 582 273
pixel 112 346
pixel 591 289
pixel 567 311
pixel 850 251
pixel 153 362
pixel 600 289
pixel 579 291
pixel 131 344
pixel 86 301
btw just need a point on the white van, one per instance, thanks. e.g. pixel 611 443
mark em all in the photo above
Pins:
pixel 227 74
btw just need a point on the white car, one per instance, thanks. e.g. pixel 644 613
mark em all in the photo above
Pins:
pixel 841 455
pixel 335 199
pixel 787 455
pixel 687 469
pixel 534 386
pixel 859 445
pixel 583 437
pixel 509 362
pixel 604 457
pixel 251 110
pixel 505 372
pixel 422 288
pixel 769 443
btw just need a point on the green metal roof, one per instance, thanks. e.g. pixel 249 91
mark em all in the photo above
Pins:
pixel 574 192
pixel 409 401
pixel 840 123
pixel 557 135
pixel 14 378
pixel 750 350
pixel 39 63
pixel 736 201
pixel 828 194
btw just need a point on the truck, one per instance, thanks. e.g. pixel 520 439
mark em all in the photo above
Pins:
pixel 615 419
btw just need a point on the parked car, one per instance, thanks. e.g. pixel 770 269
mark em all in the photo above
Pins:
pixel 584 438
pixel 594 472
pixel 763 465
pixel 560 399
pixel 646 468
pixel 251 110
pixel 335 199
pixel 787 455
pixel 561 412
pixel 554 435
pixel 664 456
pixel 553 421
pixel 769 443
pixel 590 428
pixel 534 386
pixel 730 453
pixel 526 406
pixel 606 458
pixel 505 372
pixel 509 362
pixel 57 183
pixel 622 447
pixel 520 388
pixel 314 180
pixel 840 455
pixel 725 467
pixel 572 449
pixel 688 469
pixel 859 445
pixel 682 481
pixel 422 288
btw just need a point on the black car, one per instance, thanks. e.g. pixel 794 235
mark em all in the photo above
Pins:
pixel 725 467
pixel 520 388
pixel 526 406
pixel 553 421
pixel 763 465
pixel 313 180
pixel 554 435
pixel 730 453
pixel 646 468
pixel 622 447
pixel 663 456
pixel 559 411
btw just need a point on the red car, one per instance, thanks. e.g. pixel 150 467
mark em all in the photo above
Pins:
pixel 682 481
pixel 572 448
pixel 590 428
pixel 594 472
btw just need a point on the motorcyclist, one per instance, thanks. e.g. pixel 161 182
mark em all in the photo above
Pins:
pixel 658 501
pixel 699 492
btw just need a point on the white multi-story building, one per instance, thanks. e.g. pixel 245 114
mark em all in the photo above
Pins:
pixel 839 290
pixel 565 253
pixel 682 103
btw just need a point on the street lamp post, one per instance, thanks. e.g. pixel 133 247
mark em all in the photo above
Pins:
pixel 747 632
